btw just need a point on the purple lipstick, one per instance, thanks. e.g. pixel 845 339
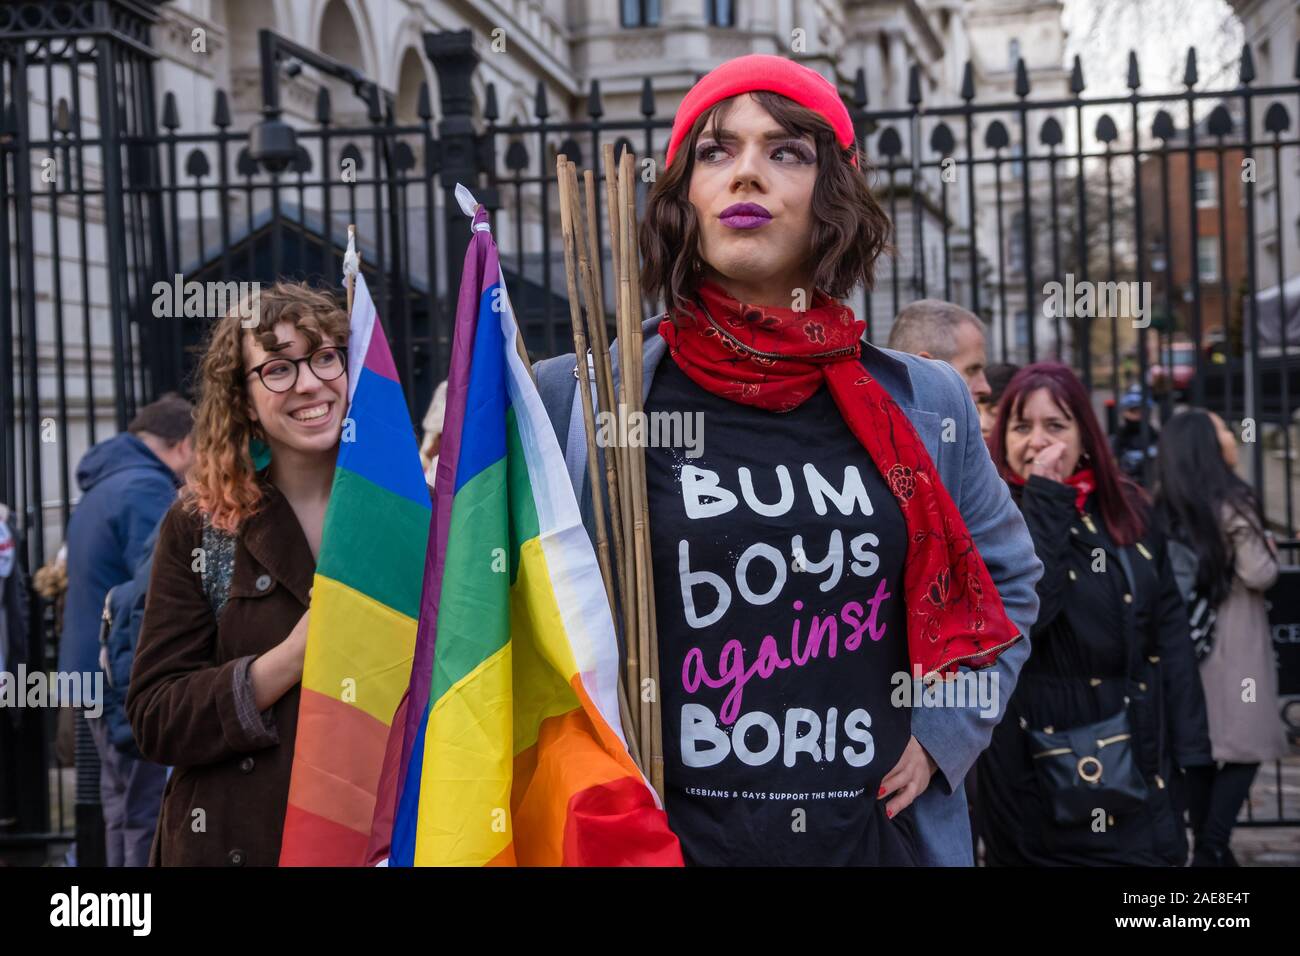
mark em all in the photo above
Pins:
pixel 745 215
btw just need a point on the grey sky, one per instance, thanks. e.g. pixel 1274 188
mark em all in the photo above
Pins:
pixel 1103 31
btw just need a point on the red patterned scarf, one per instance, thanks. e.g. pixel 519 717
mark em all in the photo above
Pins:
pixel 1083 482
pixel 777 359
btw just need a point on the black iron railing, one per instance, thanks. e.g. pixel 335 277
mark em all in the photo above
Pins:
pixel 992 200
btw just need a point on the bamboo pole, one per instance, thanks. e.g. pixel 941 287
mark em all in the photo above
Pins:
pixel 632 658
pixel 589 276
pixel 655 757
pixel 567 224
pixel 616 264
pixel 522 350
pixel 628 251
pixel 590 273
pixel 571 226
pixel 619 391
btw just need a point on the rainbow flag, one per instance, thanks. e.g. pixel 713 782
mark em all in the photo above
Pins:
pixel 364 610
pixel 513 752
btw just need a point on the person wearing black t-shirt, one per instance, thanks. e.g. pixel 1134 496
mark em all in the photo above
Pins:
pixel 785 558
pixel 835 536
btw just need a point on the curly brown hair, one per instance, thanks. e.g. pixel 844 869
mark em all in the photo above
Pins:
pixel 850 229
pixel 223 484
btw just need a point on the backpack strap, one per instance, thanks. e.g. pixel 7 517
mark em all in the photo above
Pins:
pixel 218 566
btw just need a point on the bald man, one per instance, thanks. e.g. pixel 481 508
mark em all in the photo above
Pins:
pixel 932 328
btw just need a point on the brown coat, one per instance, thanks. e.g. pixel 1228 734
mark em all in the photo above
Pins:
pixel 182 701
pixel 1244 727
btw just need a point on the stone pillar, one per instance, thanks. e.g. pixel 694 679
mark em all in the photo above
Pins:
pixel 874 68
pixel 898 63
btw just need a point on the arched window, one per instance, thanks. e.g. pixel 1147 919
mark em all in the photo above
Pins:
pixel 409 78
pixel 340 37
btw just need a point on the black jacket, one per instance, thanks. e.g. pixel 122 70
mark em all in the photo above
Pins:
pixel 1131 452
pixel 1097 638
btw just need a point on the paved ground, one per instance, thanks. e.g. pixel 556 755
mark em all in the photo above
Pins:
pixel 1252 845
pixel 1271 846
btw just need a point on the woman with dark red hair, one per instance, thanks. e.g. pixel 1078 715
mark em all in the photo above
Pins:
pixel 1086 767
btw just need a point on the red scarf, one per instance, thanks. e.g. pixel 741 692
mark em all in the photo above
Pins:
pixel 1082 481
pixel 954 613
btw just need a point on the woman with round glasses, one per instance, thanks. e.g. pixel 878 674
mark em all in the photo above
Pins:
pixel 215 686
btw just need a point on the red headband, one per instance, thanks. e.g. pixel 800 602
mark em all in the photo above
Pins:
pixel 760 71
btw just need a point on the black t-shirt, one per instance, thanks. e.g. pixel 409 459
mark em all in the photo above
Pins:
pixel 778 555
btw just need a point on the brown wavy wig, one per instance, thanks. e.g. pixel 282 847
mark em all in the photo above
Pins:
pixel 850 229
pixel 223 484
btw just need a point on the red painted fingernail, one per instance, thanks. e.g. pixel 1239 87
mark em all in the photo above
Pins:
pixel 881 793
pixel 890 814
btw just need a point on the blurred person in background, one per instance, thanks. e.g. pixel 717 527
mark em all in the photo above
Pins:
pixel 997 375
pixel 127 483
pixel 51 582
pixel 431 441
pixel 1230 560
pixel 130 787
pixel 1108 712
pixel 17 724
pixel 1132 449
pixel 934 329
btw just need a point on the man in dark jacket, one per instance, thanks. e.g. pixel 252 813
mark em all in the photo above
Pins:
pixel 19 728
pixel 130 786
pixel 128 482
pixel 1133 449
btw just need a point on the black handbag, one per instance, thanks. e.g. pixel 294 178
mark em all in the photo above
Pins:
pixel 1092 767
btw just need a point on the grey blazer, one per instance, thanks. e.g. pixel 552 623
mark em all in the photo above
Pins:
pixel 939 405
